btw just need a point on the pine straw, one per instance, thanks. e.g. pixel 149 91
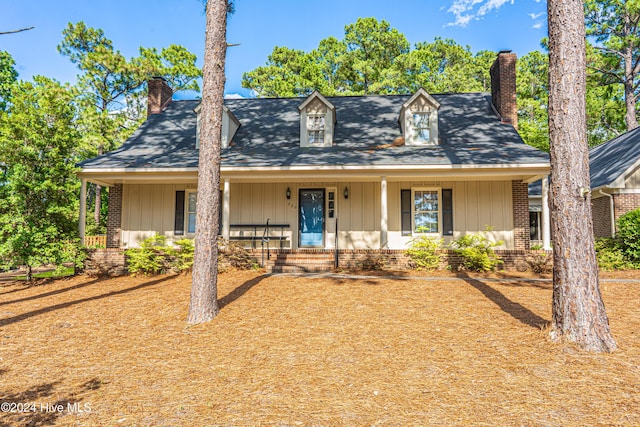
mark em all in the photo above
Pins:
pixel 287 351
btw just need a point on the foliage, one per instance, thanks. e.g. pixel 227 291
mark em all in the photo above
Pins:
pixel 38 192
pixel 231 255
pixel 150 258
pixel 155 256
pixel 372 58
pixel 532 90
pixel 610 255
pixel 629 235
pixel 613 24
pixel 540 262
pixel 8 76
pixel 476 251
pixel 182 256
pixel 424 252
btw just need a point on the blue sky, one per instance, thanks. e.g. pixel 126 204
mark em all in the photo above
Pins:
pixel 259 26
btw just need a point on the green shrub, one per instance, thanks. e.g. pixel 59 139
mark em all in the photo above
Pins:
pixel 181 258
pixel 424 252
pixel 476 251
pixel 610 255
pixel 629 235
pixel 150 258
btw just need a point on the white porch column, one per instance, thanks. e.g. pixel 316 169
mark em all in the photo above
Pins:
pixel 546 223
pixel 83 210
pixel 384 226
pixel 225 209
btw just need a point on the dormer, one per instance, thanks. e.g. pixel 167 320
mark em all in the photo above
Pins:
pixel 419 119
pixel 230 125
pixel 317 121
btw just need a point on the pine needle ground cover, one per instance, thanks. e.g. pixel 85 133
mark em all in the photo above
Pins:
pixel 309 351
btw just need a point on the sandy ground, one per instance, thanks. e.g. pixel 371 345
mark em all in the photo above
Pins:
pixel 310 351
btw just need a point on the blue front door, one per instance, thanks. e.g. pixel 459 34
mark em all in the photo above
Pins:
pixel 311 219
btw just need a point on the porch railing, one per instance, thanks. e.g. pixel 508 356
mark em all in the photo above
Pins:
pixel 99 241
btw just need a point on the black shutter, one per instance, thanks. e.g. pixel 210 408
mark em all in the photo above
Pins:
pixel 447 212
pixel 405 208
pixel 178 228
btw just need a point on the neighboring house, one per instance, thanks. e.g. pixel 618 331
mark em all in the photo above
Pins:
pixel 615 185
pixel 355 172
pixel 615 181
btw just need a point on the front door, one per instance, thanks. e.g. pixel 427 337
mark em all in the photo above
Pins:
pixel 311 219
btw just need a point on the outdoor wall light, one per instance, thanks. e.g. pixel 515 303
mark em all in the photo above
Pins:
pixel 288 193
pixel 346 193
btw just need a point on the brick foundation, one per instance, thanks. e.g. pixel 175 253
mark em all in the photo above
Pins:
pixel 387 259
pixel 520 200
pixel 105 262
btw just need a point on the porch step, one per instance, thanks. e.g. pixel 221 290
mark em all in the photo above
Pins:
pixel 300 262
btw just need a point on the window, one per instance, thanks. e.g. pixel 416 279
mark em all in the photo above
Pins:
pixel 316 128
pixel 426 218
pixel 421 128
pixel 191 212
pixel 185 213
pixel 426 211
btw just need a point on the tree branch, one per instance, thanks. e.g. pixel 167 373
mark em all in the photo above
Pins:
pixel 16 31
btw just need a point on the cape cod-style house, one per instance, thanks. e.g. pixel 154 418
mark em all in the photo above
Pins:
pixel 353 173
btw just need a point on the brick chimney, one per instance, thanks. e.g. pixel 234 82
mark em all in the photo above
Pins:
pixel 159 95
pixel 503 87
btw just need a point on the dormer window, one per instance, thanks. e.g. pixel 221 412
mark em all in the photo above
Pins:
pixel 230 125
pixel 422 127
pixel 317 120
pixel 419 119
pixel 315 128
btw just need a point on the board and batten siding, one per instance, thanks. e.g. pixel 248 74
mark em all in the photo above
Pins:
pixel 633 181
pixel 149 209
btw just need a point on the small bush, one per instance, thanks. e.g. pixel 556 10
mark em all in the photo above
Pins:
pixel 540 262
pixel 233 255
pixel 611 256
pixel 151 257
pixel 476 251
pixel 424 252
pixel 182 256
pixel 373 261
pixel 629 235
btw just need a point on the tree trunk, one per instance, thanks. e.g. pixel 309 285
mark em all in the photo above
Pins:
pixel 578 313
pixel 629 94
pixel 204 292
pixel 98 205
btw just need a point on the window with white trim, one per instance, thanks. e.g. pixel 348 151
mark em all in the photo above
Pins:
pixel 422 127
pixel 316 128
pixel 192 200
pixel 425 211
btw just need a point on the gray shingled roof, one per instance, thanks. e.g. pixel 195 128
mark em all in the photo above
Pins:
pixel 269 135
pixel 614 158
pixel 608 161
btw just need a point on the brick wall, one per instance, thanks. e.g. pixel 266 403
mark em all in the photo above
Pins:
pixel 520 200
pixel 358 259
pixel 503 87
pixel 114 216
pixel 601 213
pixel 159 95
pixel 105 262
pixel 624 203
